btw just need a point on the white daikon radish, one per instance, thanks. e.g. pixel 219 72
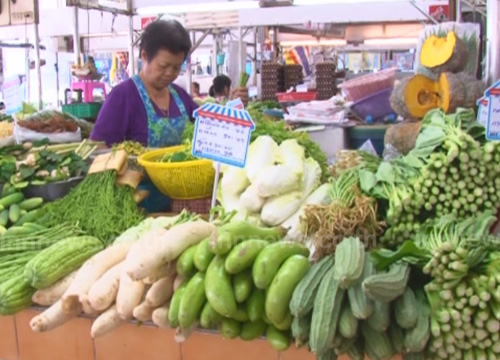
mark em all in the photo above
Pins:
pixel 49 296
pixel 90 272
pixel 234 181
pixel 251 201
pixel 150 252
pixel 106 322
pixel 103 293
pixel 262 153
pixel 143 312
pixel 51 318
pixel 279 208
pixel 87 309
pixel 162 272
pixel 130 294
pixel 160 316
pixel 320 196
pixel 160 292
pixel 182 335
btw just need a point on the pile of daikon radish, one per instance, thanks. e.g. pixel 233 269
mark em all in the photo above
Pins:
pixel 133 278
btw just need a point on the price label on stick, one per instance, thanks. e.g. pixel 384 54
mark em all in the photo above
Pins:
pixel 12 95
pixel 222 134
pixel 493 125
pixel 483 111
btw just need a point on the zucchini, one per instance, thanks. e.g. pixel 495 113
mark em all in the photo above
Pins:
pixel 253 330
pixel 243 255
pixel 279 340
pixel 193 300
pixel 326 313
pixel 242 285
pixel 14 213
pixel 209 318
pixel 203 256
pixel 175 304
pixel 31 204
pixel 60 259
pixel 30 216
pixel 4 218
pixel 11 199
pixel 230 329
pixel 349 260
pixel 219 289
pixel 256 304
pixel 185 264
pixel 304 294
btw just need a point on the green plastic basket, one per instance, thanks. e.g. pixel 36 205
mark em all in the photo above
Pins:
pixel 83 110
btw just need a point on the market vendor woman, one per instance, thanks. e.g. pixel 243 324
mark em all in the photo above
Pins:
pixel 149 108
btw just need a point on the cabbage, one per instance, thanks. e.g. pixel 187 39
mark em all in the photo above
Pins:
pixel 234 181
pixel 312 177
pixel 276 180
pixel 295 228
pixel 262 153
pixel 251 201
pixel 293 156
pixel 279 208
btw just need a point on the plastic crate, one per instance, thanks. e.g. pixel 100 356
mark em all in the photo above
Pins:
pixel 360 134
pixel 199 206
pixel 297 96
pixel 376 106
pixel 83 110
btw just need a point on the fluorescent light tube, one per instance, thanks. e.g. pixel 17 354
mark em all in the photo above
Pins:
pixel 326 42
pixel 392 41
pixel 202 7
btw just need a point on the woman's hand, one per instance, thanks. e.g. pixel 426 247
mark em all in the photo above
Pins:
pixel 241 93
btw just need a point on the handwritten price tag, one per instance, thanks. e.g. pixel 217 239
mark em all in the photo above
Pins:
pixel 12 95
pixel 222 134
pixel 493 125
pixel 483 111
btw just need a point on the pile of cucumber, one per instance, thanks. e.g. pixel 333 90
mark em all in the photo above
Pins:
pixel 18 215
pixel 241 282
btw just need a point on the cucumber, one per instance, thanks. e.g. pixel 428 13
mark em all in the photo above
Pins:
pixel 243 255
pixel 281 290
pixel 8 190
pixel 209 318
pixel 31 216
pixel 34 226
pixel 256 304
pixel 218 288
pixel 175 304
pixel 241 314
pixel 253 330
pixel 14 213
pixel 185 263
pixel 192 301
pixel 278 339
pixel 285 324
pixel 230 329
pixel 19 230
pixel 271 258
pixel 11 199
pixel 4 218
pixel 31 204
pixel 3 230
pixel 242 285
pixel 203 256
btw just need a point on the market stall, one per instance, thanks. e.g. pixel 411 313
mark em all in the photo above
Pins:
pixel 270 250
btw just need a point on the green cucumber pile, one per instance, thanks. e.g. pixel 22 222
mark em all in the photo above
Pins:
pixel 18 215
pixel 240 281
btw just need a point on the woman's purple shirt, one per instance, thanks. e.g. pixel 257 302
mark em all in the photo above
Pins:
pixel 123 115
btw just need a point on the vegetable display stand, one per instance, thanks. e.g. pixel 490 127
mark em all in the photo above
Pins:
pixel 360 134
pixel 52 191
pixel 71 341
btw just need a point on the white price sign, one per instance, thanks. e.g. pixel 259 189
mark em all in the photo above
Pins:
pixel 12 95
pixel 493 125
pixel 483 111
pixel 222 134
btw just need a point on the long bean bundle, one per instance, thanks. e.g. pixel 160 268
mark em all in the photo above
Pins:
pixel 99 206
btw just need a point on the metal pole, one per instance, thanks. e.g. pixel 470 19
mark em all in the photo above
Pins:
pixel 131 58
pixel 458 10
pixel 76 36
pixel 190 67
pixel 56 66
pixel 240 50
pixel 256 38
pixel 425 13
pixel 38 68
pixel 492 71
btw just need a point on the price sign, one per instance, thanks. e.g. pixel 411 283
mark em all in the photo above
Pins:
pixel 12 95
pixel 222 134
pixel 483 111
pixel 236 104
pixel 493 124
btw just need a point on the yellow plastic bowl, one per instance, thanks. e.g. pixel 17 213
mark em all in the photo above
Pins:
pixel 184 180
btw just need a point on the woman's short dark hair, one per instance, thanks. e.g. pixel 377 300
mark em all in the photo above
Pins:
pixel 167 35
pixel 220 83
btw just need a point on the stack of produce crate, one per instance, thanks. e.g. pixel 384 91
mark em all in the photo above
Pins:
pixel 293 75
pixel 273 80
pixel 325 80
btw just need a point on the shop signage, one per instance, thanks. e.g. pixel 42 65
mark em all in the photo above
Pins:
pixel 12 95
pixel 20 12
pixel 222 134
pixel 440 12
pixel 489 111
pixel 145 21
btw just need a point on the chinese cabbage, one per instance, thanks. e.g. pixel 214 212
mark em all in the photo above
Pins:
pixel 276 180
pixel 262 153
pixel 279 208
pixel 251 201
pixel 312 177
pixel 234 181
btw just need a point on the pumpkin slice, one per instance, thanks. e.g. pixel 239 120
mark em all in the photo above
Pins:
pixel 474 89
pixel 444 54
pixel 414 96
pixel 451 92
